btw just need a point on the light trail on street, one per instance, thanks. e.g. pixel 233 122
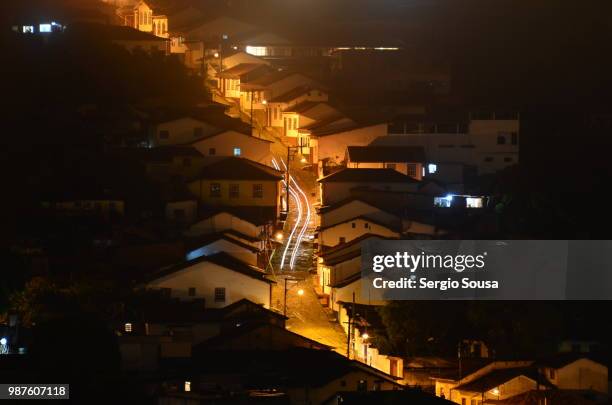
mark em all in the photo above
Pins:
pixel 297 222
pixel 300 236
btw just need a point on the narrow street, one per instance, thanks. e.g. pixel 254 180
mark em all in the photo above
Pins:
pixel 294 259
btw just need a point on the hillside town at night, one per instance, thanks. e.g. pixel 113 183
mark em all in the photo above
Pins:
pixel 192 185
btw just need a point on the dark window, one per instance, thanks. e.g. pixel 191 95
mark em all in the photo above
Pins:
pixel 186 162
pixel 198 132
pixel 551 373
pixel 215 189
pixel 508 159
pixel 362 385
pixel 212 151
pixel 501 140
pixel 488 159
pixel 257 190
pixel 463 401
pixel 179 214
pixel 192 291
pixel 390 166
pixel 164 134
pixel 220 294
pixel 343 383
pixel 166 292
pixel 342 239
pixel 514 136
pixel 353 225
pixel 366 225
pixel 234 190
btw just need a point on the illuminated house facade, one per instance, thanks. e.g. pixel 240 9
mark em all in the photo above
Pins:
pixel 140 16
pixel 219 279
pixel 487 141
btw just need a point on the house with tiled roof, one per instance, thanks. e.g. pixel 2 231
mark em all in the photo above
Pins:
pixel 338 185
pixel 218 279
pixel 329 142
pixel 229 142
pixel 230 79
pixel 408 160
pixel 239 183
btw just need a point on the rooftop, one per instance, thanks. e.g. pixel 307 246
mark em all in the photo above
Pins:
pixel 110 32
pixel 367 176
pixel 293 94
pixel 234 168
pixel 497 377
pixel 220 259
pixel 242 69
pixel 358 154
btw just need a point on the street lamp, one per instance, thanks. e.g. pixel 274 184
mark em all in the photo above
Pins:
pixel 300 292
pixel 279 236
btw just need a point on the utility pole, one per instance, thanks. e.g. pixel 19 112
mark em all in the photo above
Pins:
pixel 287 179
pixel 285 299
pixel 290 156
pixel 252 112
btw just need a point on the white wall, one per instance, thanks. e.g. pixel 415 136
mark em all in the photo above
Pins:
pixel 225 221
pixel 331 236
pixel 251 148
pixel 180 131
pixel 205 277
pixel 334 146
pixel 354 209
pixel 583 374
pixel 221 245
pixel 333 191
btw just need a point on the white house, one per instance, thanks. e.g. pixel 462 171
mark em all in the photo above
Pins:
pixel 488 142
pixel 223 220
pixel 222 242
pixel 219 279
pixel 141 17
pixel 237 144
pixel 239 58
pixel 575 372
pixel 300 94
pixel 497 380
pixel 408 160
pixel 354 207
pixel 329 144
pixel 230 79
pixel 179 131
pixel 269 86
pixel 338 185
pixel 352 228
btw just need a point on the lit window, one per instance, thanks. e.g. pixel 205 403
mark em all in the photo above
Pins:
pixel 256 50
pixel 28 29
pixel 237 151
pixel 411 170
pixel 128 327
pixel 472 202
pixel 44 28
pixel 432 168
pixel 187 386
pixel 443 202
